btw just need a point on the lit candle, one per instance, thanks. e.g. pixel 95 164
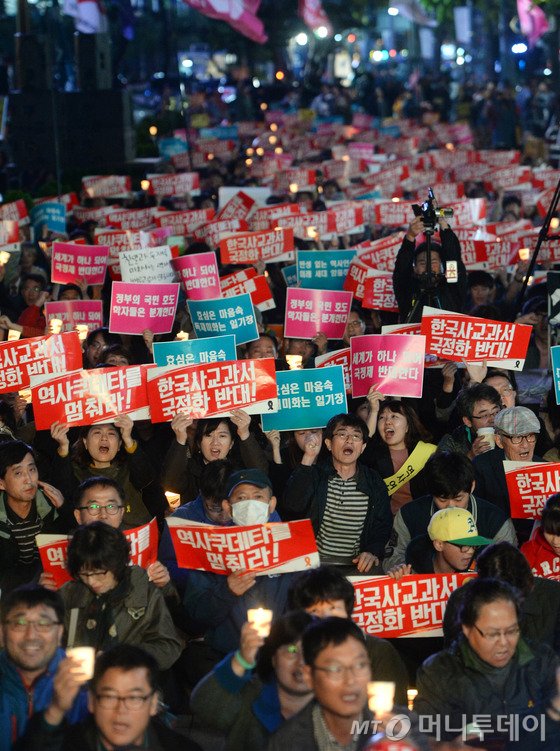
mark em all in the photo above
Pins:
pixel 145 185
pixel 4 257
pixel 13 335
pixel 26 394
pixel 182 336
pixel 261 619
pixel 381 697
pixel 294 187
pixel 173 499
pixel 411 694
pixel 55 325
pixel 82 330
pixel 294 361
pixel 85 657
pixel 524 254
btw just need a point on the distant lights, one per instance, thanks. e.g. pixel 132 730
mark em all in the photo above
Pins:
pixel 392 53
pixel 250 152
pixel 280 75
pixel 153 130
pixel 460 52
pixel 555 222
pixel 260 151
pixel 395 199
pixel 547 72
pixel 264 106
pixel 301 39
pixel 519 48
pixel 338 37
pixel 392 11
pixel 278 150
pixel 273 140
pixel 351 38
pixel 256 83
pixel 273 127
pixel 460 60
pixel 322 32
pixel 187 63
pixel 248 162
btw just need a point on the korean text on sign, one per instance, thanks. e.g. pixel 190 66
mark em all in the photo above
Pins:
pixel 311 310
pixel 529 485
pixel 412 606
pixel 455 337
pixel 263 549
pixel 73 312
pixel 307 398
pixel 213 389
pixel 136 307
pixel 393 363
pixel 194 351
pixel 86 397
pixel 41 355
pixel 225 316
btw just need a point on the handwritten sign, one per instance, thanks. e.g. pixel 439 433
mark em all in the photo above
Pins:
pixel 529 485
pixel 392 362
pixel 86 397
pixel 53 550
pixel 225 316
pixel 71 262
pixel 263 549
pixel 412 606
pixel 311 310
pixel 147 265
pixel 194 351
pixel 38 355
pixel 212 389
pixel 307 399
pixel 136 307
pixel 73 312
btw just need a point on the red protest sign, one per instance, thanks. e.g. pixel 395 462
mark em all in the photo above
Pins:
pixel 265 217
pixel 344 218
pixel 412 606
pixel 394 214
pixel 39 355
pixel 212 389
pixel 380 254
pixel 263 549
pixel 250 247
pixel 131 218
pixel 14 212
pixel 257 287
pixel 379 293
pixel 184 222
pixel 299 178
pixel 232 280
pixel 175 184
pixel 238 207
pixel 86 397
pixel 211 232
pixel 310 225
pixel 9 232
pixel 356 277
pixel 529 485
pixel 106 186
pixel 53 550
pixel 98 215
pixel 456 337
pixel 71 262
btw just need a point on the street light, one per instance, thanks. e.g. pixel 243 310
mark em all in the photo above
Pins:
pixel 301 39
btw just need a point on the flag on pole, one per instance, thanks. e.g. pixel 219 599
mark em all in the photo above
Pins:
pixel 241 15
pixel 532 21
pixel 313 15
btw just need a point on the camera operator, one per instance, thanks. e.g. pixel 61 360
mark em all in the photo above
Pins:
pixel 414 282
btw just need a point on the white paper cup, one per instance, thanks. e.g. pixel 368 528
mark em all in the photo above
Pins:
pixel 86 657
pixel 261 619
pixel 488 435
pixel 381 697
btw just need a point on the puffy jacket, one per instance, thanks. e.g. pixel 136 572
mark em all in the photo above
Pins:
pixel 453 686
pixel 18 702
pixel 306 497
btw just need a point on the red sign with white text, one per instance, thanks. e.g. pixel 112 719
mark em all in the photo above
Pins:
pixel 53 550
pixel 175 184
pixel 184 222
pixel 106 186
pixel 39 355
pixel 250 247
pixel 273 548
pixel 238 207
pixel 529 485
pixel 457 338
pixel 339 357
pixel 86 397
pixel 212 389
pixel 412 606
pixel 379 293
pixel 257 287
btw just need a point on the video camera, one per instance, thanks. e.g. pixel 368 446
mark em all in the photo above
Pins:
pixel 430 213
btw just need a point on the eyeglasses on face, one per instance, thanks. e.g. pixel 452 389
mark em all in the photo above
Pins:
pixel 111 701
pixel 345 436
pixel 462 548
pixel 92 574
pixel 517 439
pixel 42 625
pixel 486 415
pixel 96 508
pixel 337 672
pixel 494 636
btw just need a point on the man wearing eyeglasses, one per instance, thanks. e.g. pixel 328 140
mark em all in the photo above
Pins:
pixel 516 430
pixel 477 407
pixel 493 673
pixel 123 701
pixel 32 664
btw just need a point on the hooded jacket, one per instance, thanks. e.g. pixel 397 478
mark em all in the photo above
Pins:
pixel 544 561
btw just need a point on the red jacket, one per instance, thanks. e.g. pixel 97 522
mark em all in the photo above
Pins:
pixel 542 558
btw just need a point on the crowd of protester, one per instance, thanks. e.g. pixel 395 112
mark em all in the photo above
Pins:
pixel 175 641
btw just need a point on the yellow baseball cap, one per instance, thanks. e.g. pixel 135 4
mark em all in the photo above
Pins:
pixel 456 525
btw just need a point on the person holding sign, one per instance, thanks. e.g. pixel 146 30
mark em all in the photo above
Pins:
pixel 109 450
pixel 27 508
pixel 399 452
pixel 32 320
pixel 215 438
pixel 254 690
pixel 347 502
pixel 110 602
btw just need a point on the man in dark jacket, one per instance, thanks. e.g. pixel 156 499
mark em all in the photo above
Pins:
pixel 123 701
pixel 25 511
pixel 411 266
pixel 347 502
pixel 490 672
pixel 450 478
